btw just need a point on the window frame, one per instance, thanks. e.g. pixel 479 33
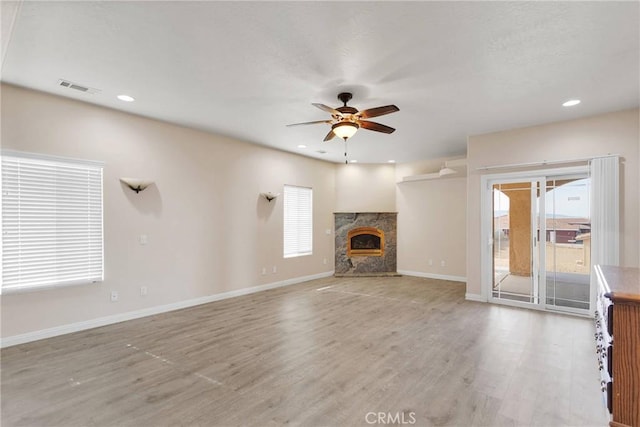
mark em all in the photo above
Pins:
pixel 304 224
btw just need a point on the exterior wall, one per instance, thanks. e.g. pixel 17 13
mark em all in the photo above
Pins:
pixel 519 229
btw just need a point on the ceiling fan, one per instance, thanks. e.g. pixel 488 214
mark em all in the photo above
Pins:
pixel 345 120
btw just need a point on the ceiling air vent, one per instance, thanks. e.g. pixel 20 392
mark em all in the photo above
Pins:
pixel 76 86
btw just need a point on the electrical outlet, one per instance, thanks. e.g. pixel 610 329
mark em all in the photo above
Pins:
pixel 324 261
pixel 275 270
pixel 264 270
pixel 143 239
pixel 430 261
pixel 143 290
pixel 442 263
pixel 114 296
pixel 328 231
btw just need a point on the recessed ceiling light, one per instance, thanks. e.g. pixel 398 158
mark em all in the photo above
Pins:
pixel 571 103
pixel 302 146
pixel 126 98
pixel 391 161
pixel 353 161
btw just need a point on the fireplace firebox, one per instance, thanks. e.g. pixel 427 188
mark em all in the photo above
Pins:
pixel 365 241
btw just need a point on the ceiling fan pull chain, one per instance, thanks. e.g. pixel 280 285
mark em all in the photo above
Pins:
pixel 346 161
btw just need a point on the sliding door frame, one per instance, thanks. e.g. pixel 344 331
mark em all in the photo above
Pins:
pixel 486 235
pixel 537 289
pixel 554 307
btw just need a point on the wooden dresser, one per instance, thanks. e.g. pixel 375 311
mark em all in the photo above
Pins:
pixel 617 335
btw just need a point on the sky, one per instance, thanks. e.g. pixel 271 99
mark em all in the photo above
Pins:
pixel 569 200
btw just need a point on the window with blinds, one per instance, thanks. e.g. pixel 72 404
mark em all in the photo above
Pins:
pixel 51 221
pixel 298 221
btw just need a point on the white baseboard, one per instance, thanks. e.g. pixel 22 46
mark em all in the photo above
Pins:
pixel 467 296
pixel 117 318
pixel 433 276
pixel 474 297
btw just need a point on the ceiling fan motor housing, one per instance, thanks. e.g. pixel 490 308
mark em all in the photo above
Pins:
pixel 347 110
pixel 346 120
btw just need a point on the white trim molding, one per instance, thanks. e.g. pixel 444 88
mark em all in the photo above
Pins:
pixel 433 276
pixel 474 297
pixel 121 317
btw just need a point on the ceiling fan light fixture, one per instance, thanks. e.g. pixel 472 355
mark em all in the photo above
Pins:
pixel 345 130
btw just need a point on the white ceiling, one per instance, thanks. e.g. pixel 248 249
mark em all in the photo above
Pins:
pixel 246 69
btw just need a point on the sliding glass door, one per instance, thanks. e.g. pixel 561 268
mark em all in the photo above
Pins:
pixel 541 241
pixel 515 234
pixel 568 242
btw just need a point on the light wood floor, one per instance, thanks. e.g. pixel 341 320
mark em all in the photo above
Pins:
pixel 322 353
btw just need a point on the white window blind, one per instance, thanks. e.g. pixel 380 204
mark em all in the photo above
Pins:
pixel 51 221
pixel 298 221
pixel 605 215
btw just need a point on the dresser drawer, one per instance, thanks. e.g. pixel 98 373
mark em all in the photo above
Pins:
pixel 618 308
pixel 608 317
pixel 605 361
pixel 604 313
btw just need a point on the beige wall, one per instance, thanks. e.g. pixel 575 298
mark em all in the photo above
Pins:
pixel 426 166
pixel 209 231
pixel 615 133
pixel 365 188
pixel 432 226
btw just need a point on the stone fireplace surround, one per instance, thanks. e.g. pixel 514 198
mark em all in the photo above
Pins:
pixel 361 263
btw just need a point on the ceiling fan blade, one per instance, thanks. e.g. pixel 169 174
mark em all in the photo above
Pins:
pixel 378 111
pixel 329 136
pixel 375 126
pixel 328 109
pixel 310 123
